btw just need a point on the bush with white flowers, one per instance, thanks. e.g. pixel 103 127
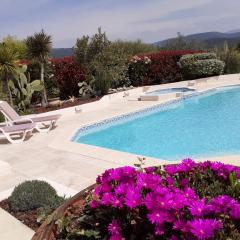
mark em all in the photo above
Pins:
pixel 201 65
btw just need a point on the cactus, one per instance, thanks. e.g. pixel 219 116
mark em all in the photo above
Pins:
pixel 85 89
pixel 22 89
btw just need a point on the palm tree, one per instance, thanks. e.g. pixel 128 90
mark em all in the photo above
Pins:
pixel 8 68
pixel 38 49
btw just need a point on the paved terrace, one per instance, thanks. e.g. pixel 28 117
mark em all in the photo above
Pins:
pixel 71 167
pixel 54 157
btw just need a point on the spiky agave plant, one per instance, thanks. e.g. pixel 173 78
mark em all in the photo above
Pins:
pixel 38 49
pixel 8 68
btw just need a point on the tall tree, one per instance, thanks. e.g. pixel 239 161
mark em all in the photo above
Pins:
pixel 87 51
pixel 17 45
pixel 8 68
pixel 38 49
pixel 86 48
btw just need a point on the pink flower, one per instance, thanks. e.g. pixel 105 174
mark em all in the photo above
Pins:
pixel 170 169
pixel 222 204
pixel 148 181
pixel 159 230
pixel 235 211
pixel 190 194
pixel 198 208
pixel 106 199
pixel 115 237
pixel 184 182
pixel 115 230
pixel 204 228
pixel 158 217
pixel 186 165
pixel 117 202
pixel 181 226
pixel 94 204
pixel 133 197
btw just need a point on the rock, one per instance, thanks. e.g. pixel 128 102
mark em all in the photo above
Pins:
pixel 120 89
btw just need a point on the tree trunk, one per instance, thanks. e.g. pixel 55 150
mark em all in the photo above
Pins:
pixel 7 91
pixel 44 92
pixel 10 95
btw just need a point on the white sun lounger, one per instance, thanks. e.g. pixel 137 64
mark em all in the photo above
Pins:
pixel 16 133
pixel 42 124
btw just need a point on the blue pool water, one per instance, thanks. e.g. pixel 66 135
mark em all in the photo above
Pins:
pixel 170 90
pixel 205 125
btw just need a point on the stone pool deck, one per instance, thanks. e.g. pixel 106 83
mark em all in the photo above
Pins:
pixel 54 157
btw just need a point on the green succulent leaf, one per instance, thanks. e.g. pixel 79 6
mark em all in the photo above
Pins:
pixel 36 85
pixel 23 78
pixel 11 84
pixel 24 91
pixel 23 68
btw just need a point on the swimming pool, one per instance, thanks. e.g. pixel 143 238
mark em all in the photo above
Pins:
pixel 170 90
pixel 199 126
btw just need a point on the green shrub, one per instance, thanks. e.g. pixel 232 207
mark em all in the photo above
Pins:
pixel 102 82
pixel 103 60
pixel 232 61
pixel 46 210
pixel 198 56
pixel 31 195
pixel 200 65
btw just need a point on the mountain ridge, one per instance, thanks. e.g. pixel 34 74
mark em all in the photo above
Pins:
pixel 210 39
pixel 61 52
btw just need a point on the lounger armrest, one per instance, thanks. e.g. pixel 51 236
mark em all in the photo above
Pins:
pixel 23 120
pixel 30 116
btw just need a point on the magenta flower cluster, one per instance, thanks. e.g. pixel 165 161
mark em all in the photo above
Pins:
pixel 168 208
pixel 222 170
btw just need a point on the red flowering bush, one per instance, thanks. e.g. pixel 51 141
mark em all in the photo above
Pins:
pixel 162 67
pixel 185 201
pixel 139 70
pixel 67 74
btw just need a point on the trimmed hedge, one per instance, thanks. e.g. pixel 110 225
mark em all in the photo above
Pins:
pixel 67 74
pixel 163 67
pixel 200 65
pixel 198 56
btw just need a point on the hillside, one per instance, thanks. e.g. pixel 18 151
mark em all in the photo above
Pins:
pixel 210 39
pixel 61 52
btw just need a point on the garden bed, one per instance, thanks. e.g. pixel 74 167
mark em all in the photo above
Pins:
pixel 31 202
pixel 196 201
pixel 29 218
pixel 73 207
pixel 66 104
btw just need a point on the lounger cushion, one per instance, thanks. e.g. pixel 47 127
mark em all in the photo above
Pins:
pixel 18 128
pixel 46 118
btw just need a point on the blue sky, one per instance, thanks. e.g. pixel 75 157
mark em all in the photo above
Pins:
pixel 149 20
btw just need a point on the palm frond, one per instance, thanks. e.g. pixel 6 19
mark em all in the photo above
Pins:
pixel 8 61
pixel 39 46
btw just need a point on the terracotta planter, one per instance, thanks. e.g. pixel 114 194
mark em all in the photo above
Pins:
pixel 47 229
